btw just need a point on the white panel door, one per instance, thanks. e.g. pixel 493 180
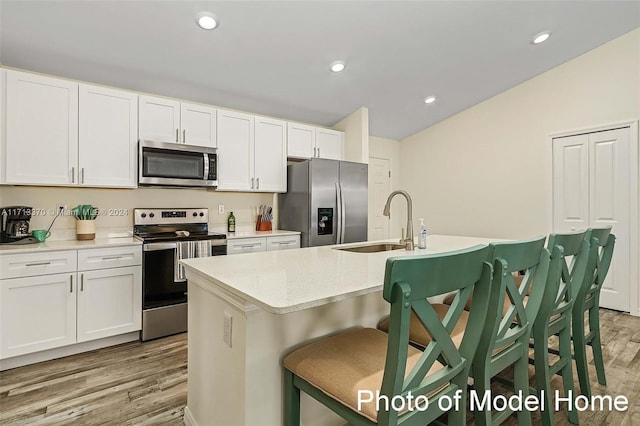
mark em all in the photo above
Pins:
pixel 571 183
pixel 329 144
pixel 235 151
pixel 301 140
pixel 108 134
pixel 42 123
pixel 109 302
pixel 270 155
pixel 198 124
pixel 610 206
pixel 380 188
pixel 37 313
pixel 159 119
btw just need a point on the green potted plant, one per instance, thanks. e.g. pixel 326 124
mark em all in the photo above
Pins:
pixel 85 215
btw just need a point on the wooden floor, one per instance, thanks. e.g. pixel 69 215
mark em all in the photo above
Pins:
pixel 145 383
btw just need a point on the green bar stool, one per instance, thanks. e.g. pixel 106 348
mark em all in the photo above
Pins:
pixel 588 301
pixel 345 371
pixel 554 318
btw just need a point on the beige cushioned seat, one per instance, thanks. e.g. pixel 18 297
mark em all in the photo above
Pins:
pixel 343 364
pixel 419 335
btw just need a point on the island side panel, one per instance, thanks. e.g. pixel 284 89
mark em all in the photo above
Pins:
pixel 248 377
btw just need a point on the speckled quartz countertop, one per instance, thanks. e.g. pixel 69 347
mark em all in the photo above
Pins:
pixel 292 280
pixel 69 245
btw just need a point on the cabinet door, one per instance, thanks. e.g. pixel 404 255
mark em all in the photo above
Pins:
pixel 42 130
pixel 37 313
pixel 301 140
pixel 246 245
pixel 329 144
pixel 283 242
pixel 109 302
pixel 159 119
pixel 270 155
pixel 235 151
pixel 108 132
pixel 198 124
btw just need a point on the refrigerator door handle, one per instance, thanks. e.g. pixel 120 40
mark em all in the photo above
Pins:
pixel 343 214
pixel 339 214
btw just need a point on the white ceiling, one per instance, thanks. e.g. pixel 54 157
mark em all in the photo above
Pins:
pixel 272 57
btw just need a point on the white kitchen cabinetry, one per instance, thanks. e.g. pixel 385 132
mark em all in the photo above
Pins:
pixel 259 244
pixel 58 298
pixel 42 130
pixel 167 120
pixel 308 141
pixel 251 153
pixel 108 129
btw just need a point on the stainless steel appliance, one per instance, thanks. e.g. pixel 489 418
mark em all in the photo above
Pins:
pixel 169 235
pixel 326 201
pixel 172 164
pixel 15 225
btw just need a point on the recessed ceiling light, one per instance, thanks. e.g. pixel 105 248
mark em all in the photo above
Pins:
pixel 429 99
pixel 539 38
pixel 207 20
pixel 337 66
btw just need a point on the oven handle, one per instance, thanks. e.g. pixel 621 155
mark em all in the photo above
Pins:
pixel 172 245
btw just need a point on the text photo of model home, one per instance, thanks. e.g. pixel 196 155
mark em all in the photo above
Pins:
pixel 191 192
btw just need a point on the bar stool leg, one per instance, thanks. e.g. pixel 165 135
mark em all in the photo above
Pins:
pixel 580 353
pixel 596 344
pixel 564 338
pixel 521 382
pixel 291 401
pixel 543 376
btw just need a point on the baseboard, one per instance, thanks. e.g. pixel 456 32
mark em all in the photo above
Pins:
pixel 188 417
pixel 19 361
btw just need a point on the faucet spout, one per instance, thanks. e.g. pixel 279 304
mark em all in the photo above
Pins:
pixel 408 240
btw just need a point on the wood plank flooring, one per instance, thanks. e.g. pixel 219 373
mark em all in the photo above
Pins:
pixel 146 383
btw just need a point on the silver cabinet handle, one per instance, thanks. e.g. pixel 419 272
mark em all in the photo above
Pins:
pixel 73 175
pixel 81 282
pixel 285 243
pixel 314 151
pixel 38 264
pixel 82 174
pixel 257 183
pixel 184 136
pixel 112 258
pixel 318 152
pixel 70 283
pixel 251 183
pixel 177 137
pixel 249 245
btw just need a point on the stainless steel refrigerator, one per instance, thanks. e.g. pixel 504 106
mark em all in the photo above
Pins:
pixel 326 201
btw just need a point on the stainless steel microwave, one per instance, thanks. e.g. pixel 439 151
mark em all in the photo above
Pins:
pixel 172 164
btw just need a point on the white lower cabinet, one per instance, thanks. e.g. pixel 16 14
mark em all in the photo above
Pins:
pixel 258 244
pixel 91 300
pixel 38 313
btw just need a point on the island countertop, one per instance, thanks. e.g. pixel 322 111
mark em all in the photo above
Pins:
pixel 291 280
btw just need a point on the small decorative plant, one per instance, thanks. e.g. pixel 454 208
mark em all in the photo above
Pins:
pixel 85 212
pixel 85 215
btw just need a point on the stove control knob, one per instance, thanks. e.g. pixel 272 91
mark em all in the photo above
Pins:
pixel 143 215
pixel 201 214
pixel 151 215
pixel 195 214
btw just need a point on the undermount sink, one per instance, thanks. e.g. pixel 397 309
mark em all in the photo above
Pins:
pixel 373 248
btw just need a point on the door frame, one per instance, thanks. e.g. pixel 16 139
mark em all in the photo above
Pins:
pixel 634 231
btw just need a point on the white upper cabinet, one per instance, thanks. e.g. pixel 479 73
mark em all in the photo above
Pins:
pixel 42 130
pixel 270 155
pixel 108 129
pixel 309 141
pixel 166 120
pixel 329 144
pixel 235 151
pixel 301 140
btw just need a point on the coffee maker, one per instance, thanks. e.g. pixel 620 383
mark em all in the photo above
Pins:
pixel 15 225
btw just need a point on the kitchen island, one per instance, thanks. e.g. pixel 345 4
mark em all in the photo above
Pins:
pixel 247 311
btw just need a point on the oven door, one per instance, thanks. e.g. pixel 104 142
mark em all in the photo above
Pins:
pixel 173 164
pixel 159 286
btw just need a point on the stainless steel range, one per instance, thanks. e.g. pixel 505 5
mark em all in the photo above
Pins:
pixel 169 235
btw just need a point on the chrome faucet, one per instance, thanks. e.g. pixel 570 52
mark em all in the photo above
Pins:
pixel 408 241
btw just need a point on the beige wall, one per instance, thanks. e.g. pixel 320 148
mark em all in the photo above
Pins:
pixel 485 171
pixel 243 205
pixel 390 149
pixel 356 135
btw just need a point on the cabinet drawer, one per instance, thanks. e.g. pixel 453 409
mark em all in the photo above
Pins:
pixel 27 265
pixel 283 242
pixel 246 245
pixel 112 257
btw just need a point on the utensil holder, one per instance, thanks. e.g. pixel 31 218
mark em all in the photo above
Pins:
pixel 263 226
